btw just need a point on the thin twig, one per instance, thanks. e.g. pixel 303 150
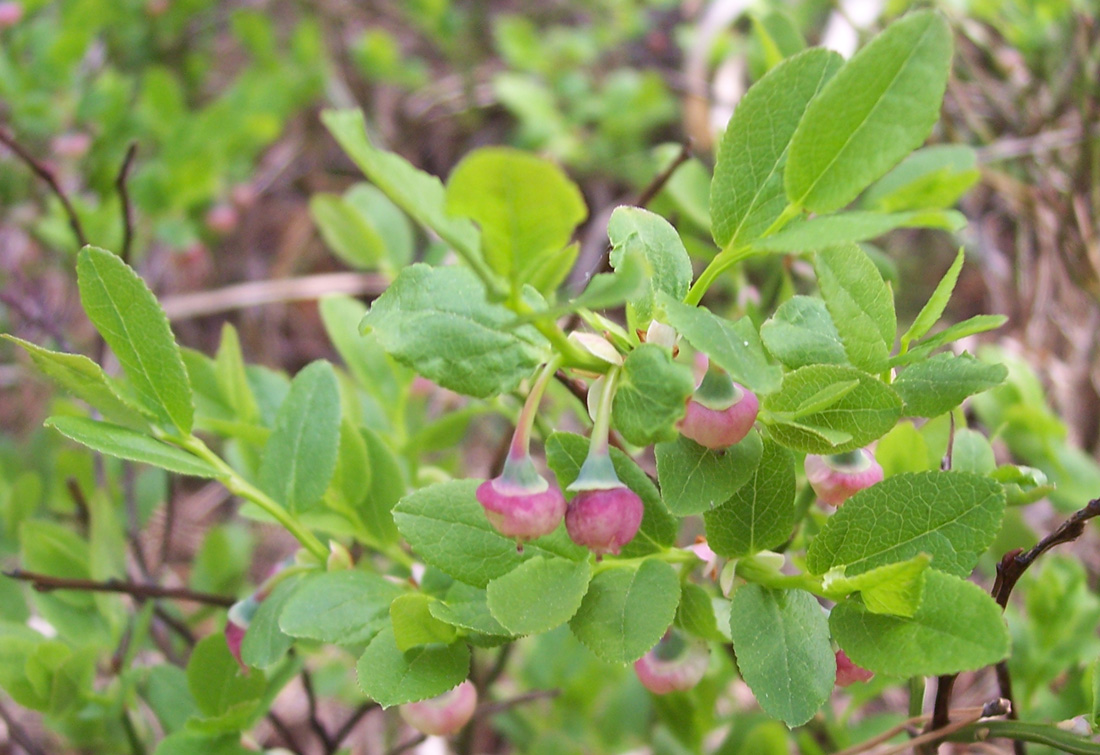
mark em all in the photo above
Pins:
pixel 407 745
pixel 662 178
pixel 77 494
pixel 314 722
pixel 28 312
pixel 47 583
pixel 349 726
pixel 965 717
pixel 42 171
pixel 284 731
pixel 127 208
pixel 490 709
pixel 18 735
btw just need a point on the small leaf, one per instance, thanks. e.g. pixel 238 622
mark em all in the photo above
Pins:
pixel 937 303
pixel 695 479
pixel 215 680
pixel 934 176
pixel 627 610
pixel 878 108
pixel 131 321
pixel 232 377
pixel 265 643
pixel 300 455
pixel 467 606
pixel 339 607
pixel 781 638
pixel 652 395
pixel 958 627
pixel 861 305
pixel 952 516
pixel 539 594
pixel 937 385
pixel 854 226
pixel 801 332
pixel 125 443
pixel 746 194
pixel 414 624
pixel 895 589
pixel 392 677
pixel 428 307
pixel 696 613
pixel 637 232
pixel 760 515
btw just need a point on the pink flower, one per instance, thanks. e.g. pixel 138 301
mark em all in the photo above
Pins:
pixel 604 519
pixel 837 478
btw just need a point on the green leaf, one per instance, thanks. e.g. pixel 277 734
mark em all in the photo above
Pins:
pixel 652 395
pixel 894 589
pixel 539 594
pixel 426 308
pixel 187 742
pixel 627 610
pixel 392 677
pixel 166 692
pixel 958 627
pixel 115 440
pixel 49 548
pixel 972 452
pixel 467 606
pixel 952 516
pixel 363 228
pixel 414 624
pixel 637 232
pixel 801 332
pixel 878 108
pixel 232 376
pixel 939 384
pixel 215 679
pixel 130 319
pixel 84 379
pixel 417 193
pixel 969 327
pixel 606 290
pixel 300 455
pixel 525 205
pixel 851 227
pixel 733 346
pixel 781 638
pixel 760 515
pixel 447 527
pixel 387 486
pixel 695 479
pixel 565 452
pixel 904 449
pixel 746 194
pixel 861 304
pixel 931 177
pixel 860 416
pixel 696 613
pixel 264 642
pixel 932 311
pixel 339 607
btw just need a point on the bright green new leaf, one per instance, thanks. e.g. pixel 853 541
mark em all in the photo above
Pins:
pixel 300 455
pixel 851 227
pixel 969 327
pixel 565 452
pixel 695 479
pixel 733 346
pixel 972 452
pixel 904 449
pixel 652 395
pixel 539 594
pixel 696 613
pixel 861 304
pixel 951 516
pixel 894 589
pixel 760 515
pixel 877 109
pixel 340 607
pixel 216 681
pixel 929 178
pixel 229 366
pixel 801 332
pixel 939 384
pixel 392 677
pixel 525 205
pixel 467 606
pixel 634 231
pixel 447 527
pixel 387 486
pixel 265 643
pixel 746 194
pixel 858 417
pixel 627 610
pixel 438 321
pixel 86 380
pixel 131 321
pixel 188 742
pixel 364 228
pixel 606 290
pixel 958 627
pixel 115 440
pixel 781 638
pixel 932 310
pixel 414 624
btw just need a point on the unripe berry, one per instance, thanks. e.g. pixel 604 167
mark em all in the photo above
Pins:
pixel 442 715
pixel 11 13
pixel 721 412
pixel 604 519
pixel 521 511
pixel 837 478
pixel 848 672
pixel 676 663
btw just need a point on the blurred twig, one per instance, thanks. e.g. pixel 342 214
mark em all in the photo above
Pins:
pixel 46 174
pixel 47 583
pixel 121 182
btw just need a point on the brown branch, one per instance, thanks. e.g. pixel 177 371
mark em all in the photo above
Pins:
pixel 662 178
pixel 47 583
pixel 349 726
pixel 42 171
pixel 18 735
pixel 966 717
pixel 314 722
pixel 407 745
pixel 121 186
pixel 490 709
pixel 284 731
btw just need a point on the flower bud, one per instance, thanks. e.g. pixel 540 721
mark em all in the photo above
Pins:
pixel 236 625
pixel 442 715
pixel 848 672
pixel 721 412
pixel 11 13
pixel 522 510
pixel 604 519
pixel 676 663
pixel 837 478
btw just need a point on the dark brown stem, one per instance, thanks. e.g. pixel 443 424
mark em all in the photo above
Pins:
pixel 81 503
pixel 43 172
pixel 662 178
pixel 490 709
pixel 314 722
pixel 46 583
pixel 121 186
pixel 18 735
pixel 407 745
pixel 349 726
pixel 284 731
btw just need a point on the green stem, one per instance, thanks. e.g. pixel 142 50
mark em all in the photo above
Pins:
pixel 572 355
pixel 243 488
pixel 768 577
pixel 668 555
